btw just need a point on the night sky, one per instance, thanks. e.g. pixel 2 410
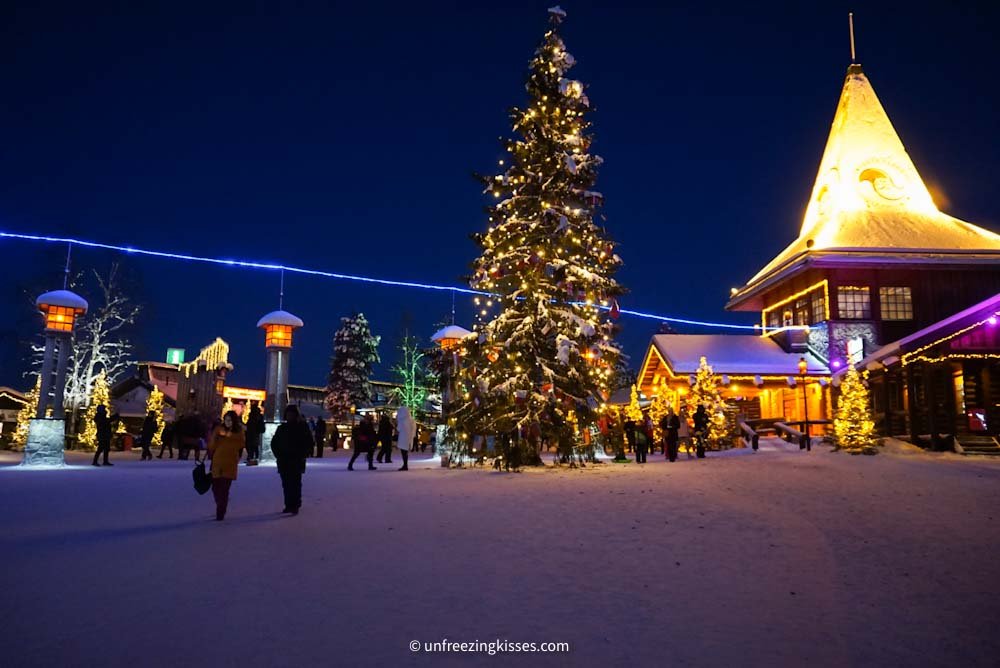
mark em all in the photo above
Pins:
pixel 343 137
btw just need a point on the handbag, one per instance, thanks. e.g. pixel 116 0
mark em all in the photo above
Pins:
pixel 202 478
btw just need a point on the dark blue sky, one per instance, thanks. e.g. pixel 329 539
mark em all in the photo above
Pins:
pixel 342 137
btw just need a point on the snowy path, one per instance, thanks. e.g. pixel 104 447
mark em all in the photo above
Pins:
pixel 776 559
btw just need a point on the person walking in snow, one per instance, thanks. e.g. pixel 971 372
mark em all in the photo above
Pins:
pixel 291 444
pixel 364 437
pixel 684 433
pixel 254 433
pixel 384 439
pixel 407 428
pixel 167 440
pixel 102 424
pixel 319 434
pixel 147 434
pixel 670 424
pixel 224 448
pixel 640 442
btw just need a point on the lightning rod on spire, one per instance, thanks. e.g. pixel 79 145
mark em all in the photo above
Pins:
pixel 850 23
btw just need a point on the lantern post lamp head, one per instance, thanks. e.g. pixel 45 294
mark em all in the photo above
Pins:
pixel 803 366
pixel 278 327
pixel 450 337
pixel 61 309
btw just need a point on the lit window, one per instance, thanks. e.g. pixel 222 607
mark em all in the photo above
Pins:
pixel 896 303
pixel 818 306
pixel 853 303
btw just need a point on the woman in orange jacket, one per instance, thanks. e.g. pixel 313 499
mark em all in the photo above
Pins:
pixel 224 447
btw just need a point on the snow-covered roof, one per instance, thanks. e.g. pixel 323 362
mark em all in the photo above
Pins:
pixel 280 318
pixel 742 354
pixel 62 298
pixel 868 197
pixel 451 332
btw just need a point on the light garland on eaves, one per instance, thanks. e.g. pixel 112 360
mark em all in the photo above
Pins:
pixel 247 264
pixel 917 356
pixel 801 293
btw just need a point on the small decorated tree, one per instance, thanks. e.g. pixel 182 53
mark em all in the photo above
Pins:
pixel 154 402
pixel 25 415
pixel 853 427
pixel 355 352
pixel 658 409
pixel 705 392
pixel 415 376
pixel 101 396
pixel 633 412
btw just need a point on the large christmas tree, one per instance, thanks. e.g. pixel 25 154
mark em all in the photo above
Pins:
pixel 545 345
pixel 853 427
pixel 355 352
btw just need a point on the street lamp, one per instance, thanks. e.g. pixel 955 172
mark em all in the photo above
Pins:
pixel 47 436
pixel 803 366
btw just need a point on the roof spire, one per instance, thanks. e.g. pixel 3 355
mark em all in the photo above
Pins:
pixel 850 25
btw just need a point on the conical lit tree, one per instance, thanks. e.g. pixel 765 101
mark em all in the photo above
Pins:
pixel 853 426
pixel 633 411
pixel 26 413
pixel 705 392
pixel 658 409
pixel 355 352
pixel 100 396
pixel 154 402
pixel 548 348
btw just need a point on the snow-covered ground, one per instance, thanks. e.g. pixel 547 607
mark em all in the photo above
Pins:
pixel 783 558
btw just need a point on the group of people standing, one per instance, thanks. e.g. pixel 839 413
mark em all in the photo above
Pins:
pixel 366 439
pixel 639 435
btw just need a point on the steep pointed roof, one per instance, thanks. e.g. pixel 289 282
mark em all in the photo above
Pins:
pixel 868 198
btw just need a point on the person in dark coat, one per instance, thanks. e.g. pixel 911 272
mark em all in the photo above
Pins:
pixel 148 434
pixel 629 426
pixel 319 433
pixel 641 443
pixel 291 444
pixel 700 430
pixel 670 424
pixel 167 440
pixel 102 423
pixel 364 437
pixel 384 439
pixel 254 433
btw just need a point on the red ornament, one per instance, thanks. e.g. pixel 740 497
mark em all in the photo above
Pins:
pixel 615 309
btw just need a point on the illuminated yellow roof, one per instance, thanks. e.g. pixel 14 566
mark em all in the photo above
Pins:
pixel 868 195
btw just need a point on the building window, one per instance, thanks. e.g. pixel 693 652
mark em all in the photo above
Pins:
pixel 853 303
pixel 773 320
pixel 802 311
pixel 896 303
pixel 818 306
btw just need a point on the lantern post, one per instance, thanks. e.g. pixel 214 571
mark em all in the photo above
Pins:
pixel 448 339
pixel 47 434
pixel 278 327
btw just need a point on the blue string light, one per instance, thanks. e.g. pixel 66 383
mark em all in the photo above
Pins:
pixel 245 264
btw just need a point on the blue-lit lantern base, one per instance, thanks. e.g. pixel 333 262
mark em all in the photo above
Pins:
pixel 266 454
pixel 46 443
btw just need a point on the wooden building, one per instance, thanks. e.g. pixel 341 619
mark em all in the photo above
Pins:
pixel 940 386
pixel 875 261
